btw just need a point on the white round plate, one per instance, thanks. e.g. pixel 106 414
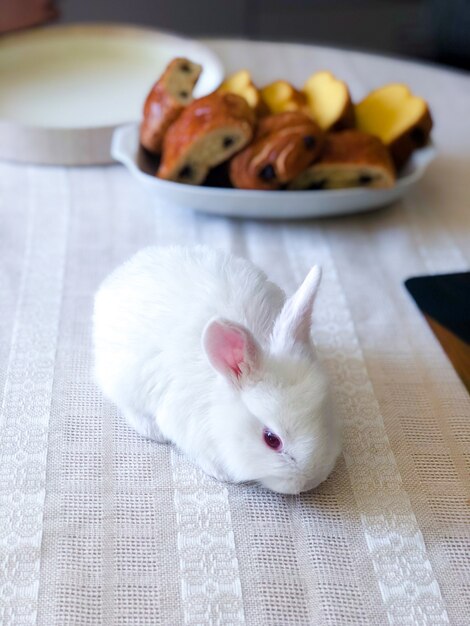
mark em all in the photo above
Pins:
pixel 64 89
pixel 262 204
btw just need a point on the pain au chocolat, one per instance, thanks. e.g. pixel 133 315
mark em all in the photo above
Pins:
pixel 284 145
pixel 209 131
pixel 350 158
pixel 166 100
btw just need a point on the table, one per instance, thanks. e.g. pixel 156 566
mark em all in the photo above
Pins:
pixel 100 526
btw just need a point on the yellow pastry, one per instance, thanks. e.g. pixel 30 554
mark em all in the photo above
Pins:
pixel 329 101
pixel 242 84
pixel 281 96
pixel 399 118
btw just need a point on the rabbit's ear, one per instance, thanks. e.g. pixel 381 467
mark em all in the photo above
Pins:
pixel 292 327
pixel 232 350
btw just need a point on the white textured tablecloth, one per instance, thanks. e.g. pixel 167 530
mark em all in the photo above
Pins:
pixel 99 526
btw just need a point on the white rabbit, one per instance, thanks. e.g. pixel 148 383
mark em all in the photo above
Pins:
pixel 199 348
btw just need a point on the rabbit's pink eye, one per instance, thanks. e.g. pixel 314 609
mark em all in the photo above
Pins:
pixel 272 440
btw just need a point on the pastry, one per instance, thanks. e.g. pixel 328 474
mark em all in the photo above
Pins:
pixel 350 158
pixel 401 120
pixel 281 96
pixel 284 145
pixel 329 101
pixel 209 131
pixel 242 84
pixel 166 100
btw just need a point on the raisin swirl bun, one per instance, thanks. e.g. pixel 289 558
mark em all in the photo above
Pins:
pixel 285 145
pixel 166 100
pixel 209 131
pixel 350 158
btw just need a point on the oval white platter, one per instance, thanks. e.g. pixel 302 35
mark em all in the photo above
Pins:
pixel 262 204
pixel 64 89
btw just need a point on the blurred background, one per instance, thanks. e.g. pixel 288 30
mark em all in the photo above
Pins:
pixel 436 30
pixel 433 30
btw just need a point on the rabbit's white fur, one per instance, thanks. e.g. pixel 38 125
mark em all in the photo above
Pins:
pixel 199 348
